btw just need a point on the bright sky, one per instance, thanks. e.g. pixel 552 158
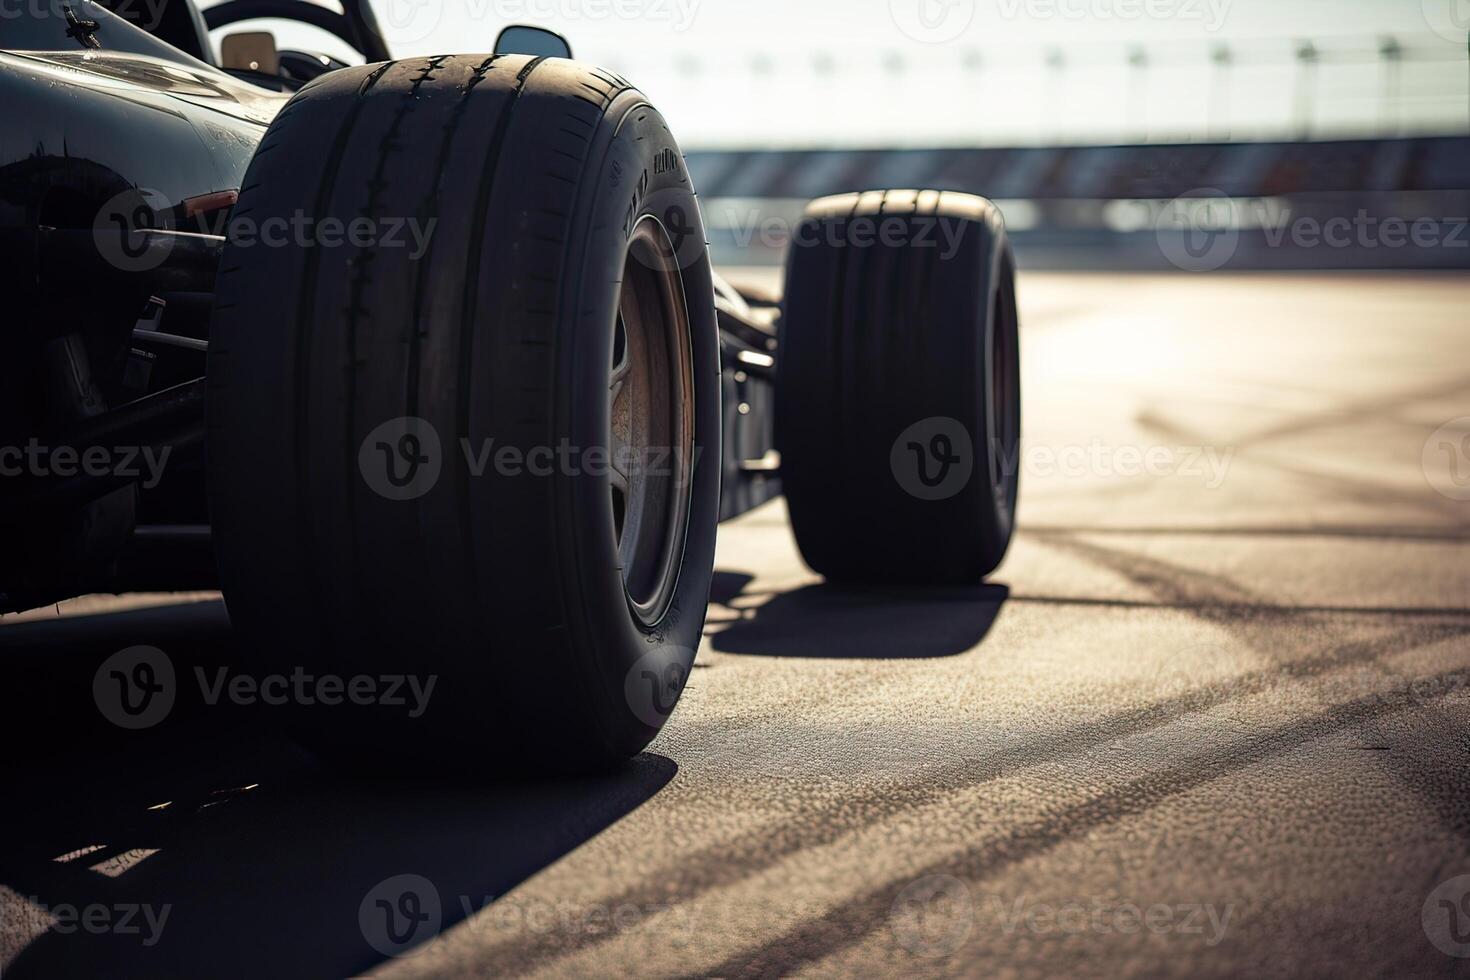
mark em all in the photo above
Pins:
pixel 958 72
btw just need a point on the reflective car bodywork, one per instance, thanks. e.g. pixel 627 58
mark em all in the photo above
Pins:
pixel 120 157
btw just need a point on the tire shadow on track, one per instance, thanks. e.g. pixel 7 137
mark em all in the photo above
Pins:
pixel 266 863
pixel 829 621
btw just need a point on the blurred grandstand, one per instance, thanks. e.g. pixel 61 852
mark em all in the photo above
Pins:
pixel 1261 141
pixel 1386 203
pixel 1394 194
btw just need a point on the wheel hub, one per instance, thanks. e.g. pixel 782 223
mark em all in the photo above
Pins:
pixel 651 424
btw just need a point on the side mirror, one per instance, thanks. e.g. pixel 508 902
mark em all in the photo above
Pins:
pixel 250 51
pixel 537 41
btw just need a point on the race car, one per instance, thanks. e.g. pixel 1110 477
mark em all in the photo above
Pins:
pixel 423 363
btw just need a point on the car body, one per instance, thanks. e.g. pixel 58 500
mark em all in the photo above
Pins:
pixel 496 455
pixel 120 160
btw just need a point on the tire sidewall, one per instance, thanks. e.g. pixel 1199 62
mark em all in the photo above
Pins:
pixel 639 671
pixel 998 486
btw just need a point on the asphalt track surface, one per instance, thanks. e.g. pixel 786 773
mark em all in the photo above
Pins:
pixel 1210 717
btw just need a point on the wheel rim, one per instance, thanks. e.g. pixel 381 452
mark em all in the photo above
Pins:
pixel 651 422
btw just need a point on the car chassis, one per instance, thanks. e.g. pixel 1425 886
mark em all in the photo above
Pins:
pixel 157 304
pixel 180 410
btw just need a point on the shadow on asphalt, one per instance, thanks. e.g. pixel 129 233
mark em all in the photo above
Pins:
pixel 819 621
pixel 262 858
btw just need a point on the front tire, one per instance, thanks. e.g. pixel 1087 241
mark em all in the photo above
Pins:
pixel 898 405
pixel 411 445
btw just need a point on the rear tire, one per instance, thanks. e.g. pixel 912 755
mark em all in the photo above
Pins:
pixel 369 403
pixel 898 401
